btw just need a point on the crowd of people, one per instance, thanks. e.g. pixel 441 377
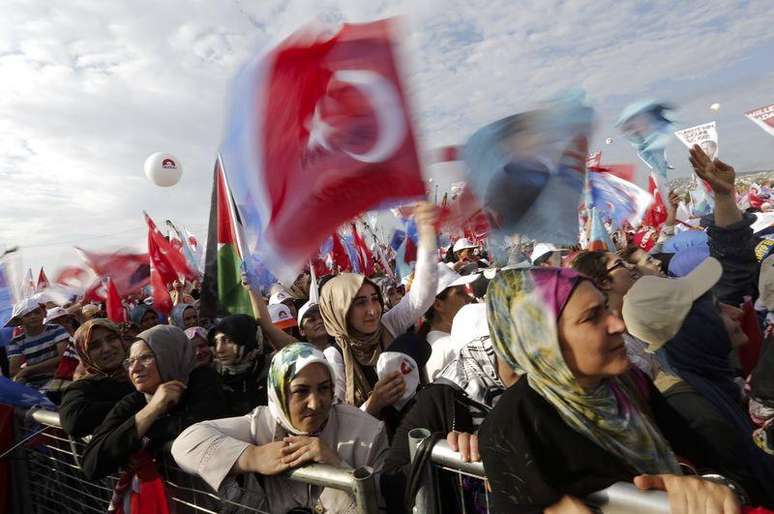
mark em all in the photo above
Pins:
pixel 563 372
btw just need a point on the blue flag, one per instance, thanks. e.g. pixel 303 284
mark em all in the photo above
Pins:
pixel 527 170
pixel 20 395
pixel 648 129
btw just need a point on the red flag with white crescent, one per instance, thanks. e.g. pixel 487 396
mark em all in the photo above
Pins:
pixel 319 132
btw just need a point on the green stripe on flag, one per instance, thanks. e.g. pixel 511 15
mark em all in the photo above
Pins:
pixel 232 297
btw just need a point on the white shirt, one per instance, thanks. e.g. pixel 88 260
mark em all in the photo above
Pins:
pixel 443 353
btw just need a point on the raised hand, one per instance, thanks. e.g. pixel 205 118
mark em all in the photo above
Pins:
pixel 717 173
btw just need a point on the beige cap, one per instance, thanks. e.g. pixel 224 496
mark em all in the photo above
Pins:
pixel 655 308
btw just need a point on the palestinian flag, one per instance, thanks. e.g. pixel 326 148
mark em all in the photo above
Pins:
pixel 222 291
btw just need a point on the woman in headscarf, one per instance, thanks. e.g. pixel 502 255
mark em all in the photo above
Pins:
pixel 184 316
pixel 352 309
pixel 170 395
pixel 692 335
pixel 240 361
pixel 455 404
pixel 582 418
pixel 300 425
pixel 198 338
pixel 86 401
pixel 144 316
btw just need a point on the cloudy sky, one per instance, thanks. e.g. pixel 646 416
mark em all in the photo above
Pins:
pixel 88 89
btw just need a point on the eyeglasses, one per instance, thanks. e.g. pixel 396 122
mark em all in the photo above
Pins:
pixel 145 359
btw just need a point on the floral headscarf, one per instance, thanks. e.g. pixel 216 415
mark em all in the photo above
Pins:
pixel 82 340
pixel 523 307
pixel 357 349
pixel 286 364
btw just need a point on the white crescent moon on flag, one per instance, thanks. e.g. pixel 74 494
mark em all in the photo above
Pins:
pixel 389 112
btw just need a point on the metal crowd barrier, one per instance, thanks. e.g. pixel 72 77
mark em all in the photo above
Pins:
pixel 620 498
pixel 47 477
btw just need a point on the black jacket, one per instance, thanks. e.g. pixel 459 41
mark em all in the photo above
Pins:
pixel 438 408
pixel 734 247
pixel 87 401
pixel 115 440
pixel 533 458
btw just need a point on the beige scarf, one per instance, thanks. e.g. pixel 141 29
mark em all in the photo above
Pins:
pixel 358 349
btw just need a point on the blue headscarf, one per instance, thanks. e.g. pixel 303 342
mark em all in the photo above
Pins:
pixel 699 354
pixel 177 314
pixel 138 312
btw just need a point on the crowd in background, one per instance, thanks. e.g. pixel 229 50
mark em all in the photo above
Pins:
pixel 565 371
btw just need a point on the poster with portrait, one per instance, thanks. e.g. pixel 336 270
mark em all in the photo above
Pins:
pixel 705 135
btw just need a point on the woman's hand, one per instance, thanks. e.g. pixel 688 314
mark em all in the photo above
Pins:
pixel 466 444
pixel 167 395
pixel 387 391
pixel 692 495
pixel 303 449
pixel 426 215
pixel 266 459
pixel 720 175
pixel 568 505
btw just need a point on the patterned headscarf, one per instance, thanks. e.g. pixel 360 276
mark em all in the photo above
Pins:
pixel 523 307
pixel 82 339
pixel 358 349
pixel 286 364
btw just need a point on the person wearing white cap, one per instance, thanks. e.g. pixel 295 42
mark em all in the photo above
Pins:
pixel 546 254
pixel 282 296
pixel 450 296
pixel 466 257
pixel 39 348
pixel 692 335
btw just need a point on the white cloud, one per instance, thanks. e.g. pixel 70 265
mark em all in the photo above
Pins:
pixel 89 89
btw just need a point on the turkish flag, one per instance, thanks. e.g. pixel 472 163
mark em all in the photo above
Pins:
pixel 129 271
pixel 115 311
pixel 656 215
pixel 333 137
pixel 167 260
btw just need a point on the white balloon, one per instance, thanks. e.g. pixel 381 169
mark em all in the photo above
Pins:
pixel 715 107
pixel 609 140
pixel 163 169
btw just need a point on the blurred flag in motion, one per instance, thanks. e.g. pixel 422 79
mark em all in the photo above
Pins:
pixel 617 199
pixel 319 131
pixel 646 126
pixel 528 170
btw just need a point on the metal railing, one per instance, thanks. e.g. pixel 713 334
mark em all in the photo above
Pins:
pixel 619 498
pixel 48 479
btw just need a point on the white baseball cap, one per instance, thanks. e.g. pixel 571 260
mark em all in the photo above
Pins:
pixel 21 309
pixel 449 278
pixel 279 296
pixel 462 244
pixel 56 313
pixel 655 308
pixel 281 316
pixel 541 249
pixel 304 309
pixel 390 362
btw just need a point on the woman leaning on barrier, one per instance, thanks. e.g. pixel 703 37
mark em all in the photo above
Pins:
pixel 87 401
pixel 299 426
pixel 170 395
pixel 582 418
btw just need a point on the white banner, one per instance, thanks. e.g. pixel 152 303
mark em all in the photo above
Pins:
pixel 706 136
pixel 763 117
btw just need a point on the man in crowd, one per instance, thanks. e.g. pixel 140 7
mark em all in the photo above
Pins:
pixel 34 354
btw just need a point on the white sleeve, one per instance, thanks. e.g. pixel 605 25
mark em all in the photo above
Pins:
pixel 334 357
pixel 421 296
pixel 211 448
